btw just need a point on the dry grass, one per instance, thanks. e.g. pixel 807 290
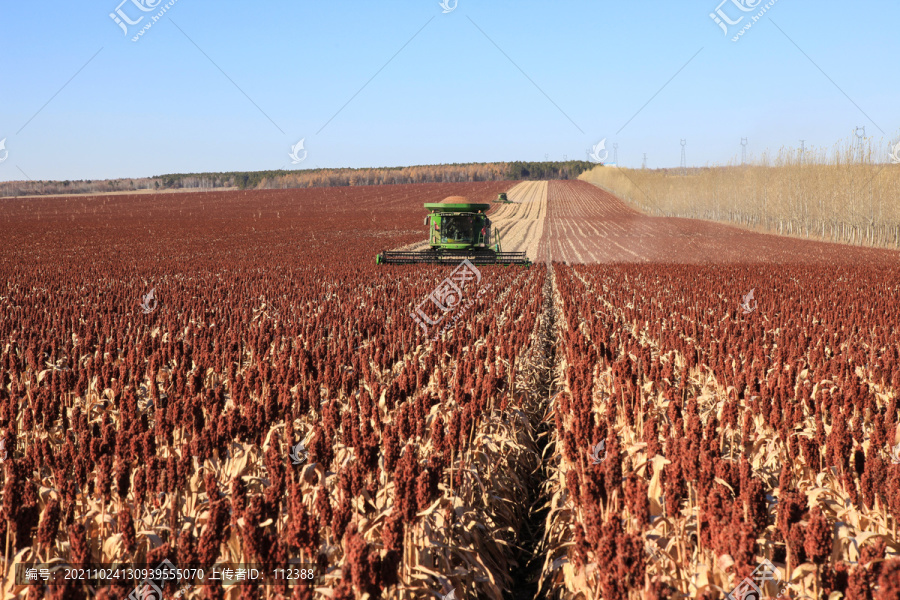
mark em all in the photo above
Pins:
pixel 847 194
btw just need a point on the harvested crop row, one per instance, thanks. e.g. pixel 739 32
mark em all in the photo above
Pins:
pixel 521 223
pixel 588 225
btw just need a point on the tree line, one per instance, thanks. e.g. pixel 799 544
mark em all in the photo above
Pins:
pixel 285 179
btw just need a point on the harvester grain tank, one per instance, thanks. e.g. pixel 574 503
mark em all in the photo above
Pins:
pixel 457 230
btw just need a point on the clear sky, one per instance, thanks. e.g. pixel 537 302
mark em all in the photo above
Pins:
pixel 232 86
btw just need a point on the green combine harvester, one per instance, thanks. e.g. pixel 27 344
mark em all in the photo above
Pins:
pixel 457 230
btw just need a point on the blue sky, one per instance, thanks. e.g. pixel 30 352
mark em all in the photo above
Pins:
pixel 233 85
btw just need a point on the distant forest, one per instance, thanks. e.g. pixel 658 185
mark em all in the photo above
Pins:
pixel 307 178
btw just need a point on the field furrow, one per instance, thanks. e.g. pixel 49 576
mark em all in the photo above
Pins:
pixel 590 225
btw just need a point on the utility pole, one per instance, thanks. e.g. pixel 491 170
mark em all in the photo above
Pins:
pixel 743 151
pixel 802 150
pixel 683 159
pixel 860 137
pixel 616 153
pixel 644 164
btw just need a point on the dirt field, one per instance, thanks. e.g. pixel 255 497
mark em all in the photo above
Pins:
pixel 521 224
pixel 588 225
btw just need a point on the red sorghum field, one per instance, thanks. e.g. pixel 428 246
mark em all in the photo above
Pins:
pixel 607 424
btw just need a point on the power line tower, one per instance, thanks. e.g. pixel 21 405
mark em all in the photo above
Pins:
pixel 683 158
pixel 644 164
pixel 744 151
pixel 860 137
pixel 802 150
pixel 616 153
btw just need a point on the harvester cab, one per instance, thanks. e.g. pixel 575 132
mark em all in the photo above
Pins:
pixel 457 230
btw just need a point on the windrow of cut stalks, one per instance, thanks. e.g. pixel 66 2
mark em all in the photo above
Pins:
pixel 134 438
pixel 728 437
